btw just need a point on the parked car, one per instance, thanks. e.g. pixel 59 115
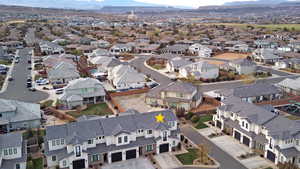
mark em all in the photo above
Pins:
pixel 59 91
pixel 29 84
pixel 10 79
pixel 17 61
pixel 30 68
pixel 42 81
pixel 29 61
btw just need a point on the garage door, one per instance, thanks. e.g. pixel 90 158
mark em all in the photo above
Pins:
pixel 116 157
pixel 271 156
pixel 164 148
pixel 237 135
pixel 130 154
pixel 246 141
pixel 219 124
pixel 78 164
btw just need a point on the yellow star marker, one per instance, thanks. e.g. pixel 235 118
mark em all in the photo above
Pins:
pixel 160 118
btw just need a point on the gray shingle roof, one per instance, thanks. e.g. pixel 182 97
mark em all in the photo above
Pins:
pixel 11 140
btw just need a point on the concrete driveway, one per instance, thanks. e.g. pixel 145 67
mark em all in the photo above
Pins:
pixel 140 163
pixel 167 161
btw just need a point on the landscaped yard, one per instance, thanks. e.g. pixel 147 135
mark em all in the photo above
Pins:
pixel 200 124
pixel 97 109
pixel 35 163
pixel 189 157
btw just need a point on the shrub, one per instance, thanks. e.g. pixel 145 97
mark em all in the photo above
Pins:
pixel 195 119
pixel 189 115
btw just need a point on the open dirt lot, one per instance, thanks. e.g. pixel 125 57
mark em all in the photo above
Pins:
pixel 231 56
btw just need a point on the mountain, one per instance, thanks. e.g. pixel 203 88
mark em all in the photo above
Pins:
pixel 259 2
pixel 73 4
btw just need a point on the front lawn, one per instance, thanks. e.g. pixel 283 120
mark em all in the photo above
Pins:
pixel 97 109
pixel 189 157
pixel 5 62
pixel 35 163
pixel 200 124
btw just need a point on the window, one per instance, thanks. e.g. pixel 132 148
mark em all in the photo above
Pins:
pixel 64 163
pixel 58 142
pixel 172 123
pixel 15 151
pixel 95 157
pixel 53 158
pixel 297 142
pixel 246 125
pixel 125 139
pixel 243 123
pixel 0 115
pixel 90 141
pixel 149 131
pixel 78 151
pixel 119 140
pixel 5 152
pixel 53 143
pixel 165 134
pixel 149 147
pixel 10 151
pixel 140 131
pixel 62 141
pixel 18 166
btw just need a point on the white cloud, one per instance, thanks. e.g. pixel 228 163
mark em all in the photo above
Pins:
pixel 188 3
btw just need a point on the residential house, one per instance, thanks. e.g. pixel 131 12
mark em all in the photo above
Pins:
pixel 52 60
pixel 150 48
pixel 50 48
pixel 252 93
pixel 273 136
pixel 82 91
pixel 104 64
pixel 118 49
pixel 176 49
pixel 199 70
pixel 291 86
pixel 127 136
pixel 16 115
pixel 292 63
pixel 12 151
pixel 200 50
pixel 99 52
pixel 241 48
pixel 243 66
pixel 266 55
pixel 125 77
pixel 174 64
pixel 175 95
pixel 100 44
pixel 62 73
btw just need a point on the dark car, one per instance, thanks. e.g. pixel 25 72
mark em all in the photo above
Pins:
pixel 29 61
pixel 29 84
pixel 30 68
pixel 10 79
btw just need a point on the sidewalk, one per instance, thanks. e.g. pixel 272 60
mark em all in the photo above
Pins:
pixel 9 73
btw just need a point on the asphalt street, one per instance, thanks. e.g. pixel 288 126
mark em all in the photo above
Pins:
pixel 226 161
pixel 17 89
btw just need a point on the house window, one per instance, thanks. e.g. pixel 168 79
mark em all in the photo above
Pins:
pixel 119 140
pixel 0 115
pixel 90 141
pixel 64 163
pixel 243 123
pixel 53 143
pixel 78 151
pixel 18 166
pixel 297 142
pixel 5 152
pixel 140 131
pixel 10 151
pixel 95 157
pixel 15 151
pixel 165 134
pixel 62 141
pixel 149 132
pixel 53 158
pixel 57 142
pixel 125 139
pixel 246 125
pixel 149 148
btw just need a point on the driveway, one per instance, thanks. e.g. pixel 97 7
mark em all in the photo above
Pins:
pixel 167 161
pixel 17 89
pixel 226 161
pixel 140 163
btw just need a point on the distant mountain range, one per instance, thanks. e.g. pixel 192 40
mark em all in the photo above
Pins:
pixel 260 2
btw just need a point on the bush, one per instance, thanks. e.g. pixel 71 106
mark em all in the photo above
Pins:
pixel 189 115
pixel 195 119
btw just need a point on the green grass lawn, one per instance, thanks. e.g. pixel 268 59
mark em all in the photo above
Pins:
pixel 200 124
pixel 38 163
pixel 5 62
pixel 189 157
pixel 98 109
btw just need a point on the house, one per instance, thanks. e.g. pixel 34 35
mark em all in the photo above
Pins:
pixel 16 115
pixel 104 64
pixel 100 44
pixel 266 55
pixel 125 77
pixel 292 63
pixel 241 48
pixel 62 73
pixel 175 95
pixel 265 44
pixel 243 66
pixel 290 86
pixel 174 64
pixel 116 138
pixel 199 70
pixel 50 48
pixel 117 49
pixel 252 93
pixel 200 50
pixel 82 91
pixel 52 60
pixel 99 52
pixel 150 48
pixel 12 151
pixel 176 49
pixel 273 136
